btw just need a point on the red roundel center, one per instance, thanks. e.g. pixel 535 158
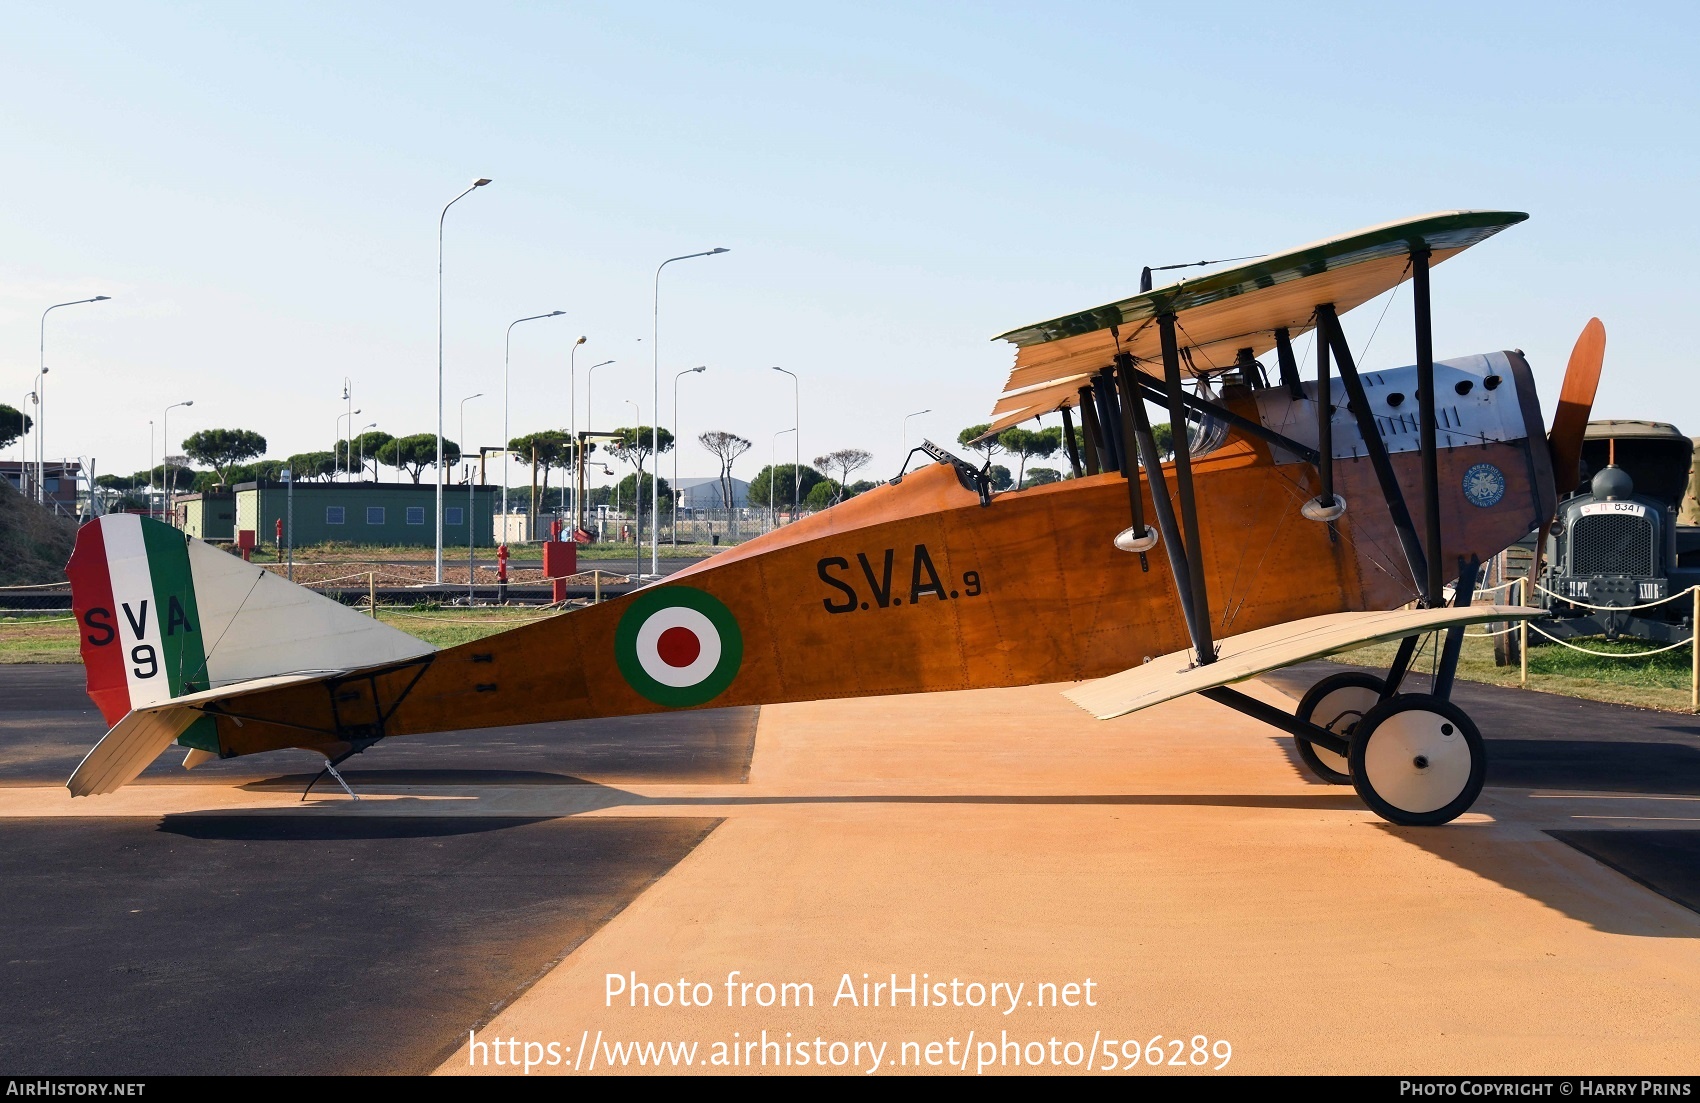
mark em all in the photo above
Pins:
pixel 678 647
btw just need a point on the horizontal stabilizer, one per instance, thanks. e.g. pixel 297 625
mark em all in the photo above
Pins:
pixel 125 751
pixel 1253 653
pixel 137 739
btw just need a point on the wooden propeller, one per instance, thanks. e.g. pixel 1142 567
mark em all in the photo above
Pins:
pixel 1575 402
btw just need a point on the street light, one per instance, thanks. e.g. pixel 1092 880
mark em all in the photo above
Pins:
pixel 165 441
pixel 772 474
pixel 41 394
pixel 363 429
pixel 655 371
pixel 478 183
pixel 572 424
pixel 637 490
pixel 797 456
pixel 347 396
pixel 906 418
pixel 471 566
pixel 343 464
pixel 36 397
pixel 150 467
pixel 507 347
pixel 589 423
pixel 676 378
pixel 23 444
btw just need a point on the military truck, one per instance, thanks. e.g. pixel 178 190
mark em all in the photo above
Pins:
pixel 1619 539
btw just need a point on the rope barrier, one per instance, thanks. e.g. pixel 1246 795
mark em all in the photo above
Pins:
pixel 1614 608
pixel 1617 655
pixel 41 586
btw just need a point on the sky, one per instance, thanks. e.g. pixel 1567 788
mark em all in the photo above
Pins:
pixel 258 189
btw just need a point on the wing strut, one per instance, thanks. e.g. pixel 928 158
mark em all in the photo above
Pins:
pixel 1201 640
pixel 1068 442
pixel 1089 430
pixel 1140 537
pixel 1425 405
pixel 1107 418
pixel 1289 365
pixel 1328 324
pixel 1153 464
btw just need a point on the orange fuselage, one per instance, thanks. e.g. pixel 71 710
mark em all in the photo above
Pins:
pixel 917 587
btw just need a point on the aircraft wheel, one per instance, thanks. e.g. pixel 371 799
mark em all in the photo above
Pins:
pixel 1417 760
pixel 1337 703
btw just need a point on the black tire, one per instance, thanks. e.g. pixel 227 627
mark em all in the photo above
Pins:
pixel 1346 712
pixel 1418 761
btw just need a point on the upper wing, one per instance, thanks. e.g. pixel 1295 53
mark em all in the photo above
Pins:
pixel 1253 653
pixel 1237 308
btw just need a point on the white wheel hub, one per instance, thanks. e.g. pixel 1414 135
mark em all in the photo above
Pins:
pixel 1417 761
pixel 1338 710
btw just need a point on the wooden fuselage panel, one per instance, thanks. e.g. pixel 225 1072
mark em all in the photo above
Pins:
pixel 917 587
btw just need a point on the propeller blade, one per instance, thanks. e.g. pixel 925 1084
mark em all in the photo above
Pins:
pixel 1575 403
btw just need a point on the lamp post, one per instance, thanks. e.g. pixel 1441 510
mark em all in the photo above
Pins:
pixel 637 490
pixel 150 467
pixel 507 348
pixel 341 464
pixel 165 435
pixel 30 399
pixel 36 397
pixel 797 441
pixel 906 418
pixel 471 566
pixel 478 183
pixel 348 397
pixel 676 378
pixel 655 365
pixel 363 429
pixel 572 424
pixel 589 422
pixel 41 394
pixel 773 475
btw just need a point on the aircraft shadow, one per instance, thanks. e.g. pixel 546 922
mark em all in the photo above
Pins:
pixel 1656 860
pixel 420 777
pixel 271 826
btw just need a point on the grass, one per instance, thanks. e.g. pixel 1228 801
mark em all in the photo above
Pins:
pixel 52 638
pixel 1655 682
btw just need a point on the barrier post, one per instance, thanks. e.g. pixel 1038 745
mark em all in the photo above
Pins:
pixel 372 593
pixel 1694 642
pixel 596 580
pixel 1523 638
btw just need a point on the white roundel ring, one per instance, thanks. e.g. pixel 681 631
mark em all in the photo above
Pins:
pixel 666 641
pixel 678 646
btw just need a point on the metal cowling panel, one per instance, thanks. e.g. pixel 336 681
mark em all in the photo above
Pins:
pixel 1612 544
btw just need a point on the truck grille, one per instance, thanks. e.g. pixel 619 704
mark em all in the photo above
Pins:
pixel 1612 544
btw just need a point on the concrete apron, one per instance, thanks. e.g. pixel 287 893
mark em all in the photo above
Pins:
pixel 1179 859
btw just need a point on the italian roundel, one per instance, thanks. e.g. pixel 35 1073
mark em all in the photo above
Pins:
pixel 678 646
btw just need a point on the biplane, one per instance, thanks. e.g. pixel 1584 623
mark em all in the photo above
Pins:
pixel 1299 517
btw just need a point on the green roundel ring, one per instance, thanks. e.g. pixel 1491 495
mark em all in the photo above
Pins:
pixel 678 646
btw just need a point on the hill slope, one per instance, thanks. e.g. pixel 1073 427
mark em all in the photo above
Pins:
pixel 34 544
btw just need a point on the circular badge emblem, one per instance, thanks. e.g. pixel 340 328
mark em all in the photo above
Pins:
pixel 1484 485
pixel 678 646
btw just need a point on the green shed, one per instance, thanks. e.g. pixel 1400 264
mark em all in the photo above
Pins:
pixel 209 516
pixel 386 514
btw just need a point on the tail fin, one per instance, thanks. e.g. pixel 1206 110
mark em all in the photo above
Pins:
pixel 163 616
